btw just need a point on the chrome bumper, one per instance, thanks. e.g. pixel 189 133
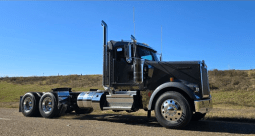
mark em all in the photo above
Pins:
pixel 203 106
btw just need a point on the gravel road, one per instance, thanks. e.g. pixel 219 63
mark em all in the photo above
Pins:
pixel 14 123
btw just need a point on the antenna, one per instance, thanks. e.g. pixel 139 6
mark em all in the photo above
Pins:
pixel 161 40
pixel 134 19
pixel 161 46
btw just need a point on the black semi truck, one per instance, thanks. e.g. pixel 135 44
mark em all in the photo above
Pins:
pixel 133 78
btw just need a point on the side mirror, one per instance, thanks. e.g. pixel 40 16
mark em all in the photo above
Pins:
pixel 128 53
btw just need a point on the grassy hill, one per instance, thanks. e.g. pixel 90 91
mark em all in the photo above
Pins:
pixel 228 88
pixel 233 87
pixel 13 87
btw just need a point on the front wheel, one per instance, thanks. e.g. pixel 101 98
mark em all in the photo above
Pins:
pixel 172 110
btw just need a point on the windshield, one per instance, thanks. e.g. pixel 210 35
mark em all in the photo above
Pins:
pixel 147 54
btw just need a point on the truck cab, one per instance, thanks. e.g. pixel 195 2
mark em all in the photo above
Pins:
pixel 134 66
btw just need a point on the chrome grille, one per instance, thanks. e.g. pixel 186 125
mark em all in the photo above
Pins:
pixel 204 83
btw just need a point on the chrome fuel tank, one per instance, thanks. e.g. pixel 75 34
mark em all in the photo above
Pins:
pixel 93 100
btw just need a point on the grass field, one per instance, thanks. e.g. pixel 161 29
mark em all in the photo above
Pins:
pixel 233 91
pixel 233 88
pixel 11 88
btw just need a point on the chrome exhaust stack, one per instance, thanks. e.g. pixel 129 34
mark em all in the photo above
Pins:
pixel 105 48
pixel 106 67
pixel 105 31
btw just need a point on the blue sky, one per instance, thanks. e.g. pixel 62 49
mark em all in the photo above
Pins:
pixel 52 37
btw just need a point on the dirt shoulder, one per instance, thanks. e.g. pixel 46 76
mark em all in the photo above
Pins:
pixel 219 112
pixel 14 123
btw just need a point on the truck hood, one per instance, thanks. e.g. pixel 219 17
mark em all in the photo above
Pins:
pixel 160 72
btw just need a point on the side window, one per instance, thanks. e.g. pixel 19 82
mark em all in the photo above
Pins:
pixel 119 54
pixel 144 54
pixel 148 57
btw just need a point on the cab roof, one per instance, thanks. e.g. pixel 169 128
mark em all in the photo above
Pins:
pixel 121 43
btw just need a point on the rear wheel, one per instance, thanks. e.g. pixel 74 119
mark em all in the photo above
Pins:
pixel 172 110
pixel 29 105
pixel 48 106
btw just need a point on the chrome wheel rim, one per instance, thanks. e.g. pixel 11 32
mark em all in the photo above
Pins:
pixel 27 104
pixel 47 105
pixel 171 110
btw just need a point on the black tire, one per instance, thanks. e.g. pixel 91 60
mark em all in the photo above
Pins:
pixel 89 111
pixel 198 116
pixel 172 110
pixel 29 104
pixel 48 106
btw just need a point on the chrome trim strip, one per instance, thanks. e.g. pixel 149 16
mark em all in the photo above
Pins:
pixel 117 108
pixel 138 70
pixel 201 75
pixel 119 96
pixel 129 59
pixel 207 84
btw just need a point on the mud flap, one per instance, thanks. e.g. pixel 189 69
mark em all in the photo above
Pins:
pixel 63 109
pixel 20 103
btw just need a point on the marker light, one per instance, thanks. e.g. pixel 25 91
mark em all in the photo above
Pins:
pixel 171 79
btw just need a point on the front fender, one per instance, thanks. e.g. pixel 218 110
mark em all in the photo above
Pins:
pixel 178 85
